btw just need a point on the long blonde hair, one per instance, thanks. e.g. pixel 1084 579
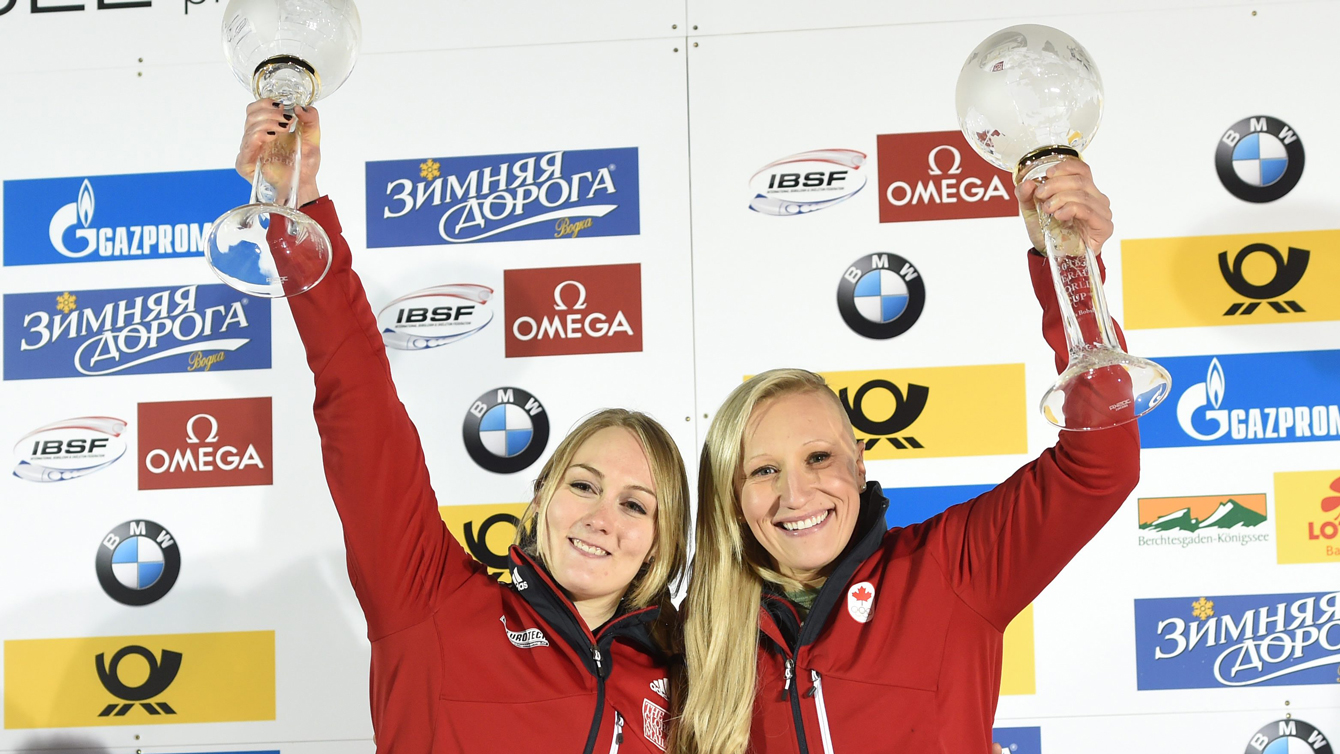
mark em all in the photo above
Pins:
pixel 669 548
pixel 729 568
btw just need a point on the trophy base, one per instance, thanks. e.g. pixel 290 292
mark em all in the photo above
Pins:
pixel 267 250
pixel 1104 387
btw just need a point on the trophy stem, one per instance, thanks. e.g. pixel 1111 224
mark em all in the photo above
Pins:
pixel 279 169
pixel 1103 386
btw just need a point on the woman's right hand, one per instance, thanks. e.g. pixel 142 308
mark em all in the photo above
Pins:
pixel 267 122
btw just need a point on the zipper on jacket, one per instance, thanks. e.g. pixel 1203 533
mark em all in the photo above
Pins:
pixel 617 741
pixel 817 691
pixel 795 709
pixel 786 689
pixel 600 704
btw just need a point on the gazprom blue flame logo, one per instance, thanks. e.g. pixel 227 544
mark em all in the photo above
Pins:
pixel 114 217
pixel 1246 398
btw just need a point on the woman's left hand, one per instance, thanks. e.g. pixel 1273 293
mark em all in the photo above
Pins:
pixel 1071 197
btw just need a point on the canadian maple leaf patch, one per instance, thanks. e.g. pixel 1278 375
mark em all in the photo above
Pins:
pixel 861 601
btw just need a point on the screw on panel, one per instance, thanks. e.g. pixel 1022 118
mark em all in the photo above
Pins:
pixel 695 44
pixel 688 418
pixel 674 26
pixel 676 49
pixel 1253 13
pixel 695 27
pixel 704 416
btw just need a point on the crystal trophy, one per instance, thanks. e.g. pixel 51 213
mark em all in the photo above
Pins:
pixel 294 52
pixel 1029 97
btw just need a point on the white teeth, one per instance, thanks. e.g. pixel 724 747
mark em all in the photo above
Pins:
pixel 814 520
pixel 584 547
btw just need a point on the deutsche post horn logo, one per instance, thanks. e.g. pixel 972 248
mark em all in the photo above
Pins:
pixel 1288 272
pixel 907 408
pixel 478 543
pixel 161 675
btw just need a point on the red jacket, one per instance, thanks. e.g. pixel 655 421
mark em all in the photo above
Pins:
pixel 922 673
pixel 460 662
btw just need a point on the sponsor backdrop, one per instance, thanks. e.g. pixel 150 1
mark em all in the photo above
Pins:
pixel 644 227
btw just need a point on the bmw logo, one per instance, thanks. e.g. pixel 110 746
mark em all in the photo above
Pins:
pixel 138 563
pixel 506 430
pixel 1259 159
pixel 881 296
pixel 1288 736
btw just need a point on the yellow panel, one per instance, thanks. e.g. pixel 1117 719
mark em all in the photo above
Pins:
pixel 1018 674
pixel 969 411
pixel 219 677
pixel 1178 282
pixel 1305 530
pixel 498 533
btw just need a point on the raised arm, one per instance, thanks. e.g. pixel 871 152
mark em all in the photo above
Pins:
pixel 1002 548
pixel 401 557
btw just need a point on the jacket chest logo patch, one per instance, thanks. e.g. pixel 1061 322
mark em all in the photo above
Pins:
pixel 654 723
pixel 527 639
pixel 861 601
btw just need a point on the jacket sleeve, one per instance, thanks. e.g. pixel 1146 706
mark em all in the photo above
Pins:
pixel 401 558
pixel 1001 549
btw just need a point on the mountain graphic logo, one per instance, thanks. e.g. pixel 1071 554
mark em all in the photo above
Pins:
pixel 1199 513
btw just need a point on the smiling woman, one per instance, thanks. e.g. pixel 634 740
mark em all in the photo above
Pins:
pixel 577 653
pixel 810 627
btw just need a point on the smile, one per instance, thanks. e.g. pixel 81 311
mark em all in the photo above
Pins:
pixel 807 523
pixel 587 549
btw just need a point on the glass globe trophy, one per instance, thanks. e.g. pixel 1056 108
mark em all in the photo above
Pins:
pixel 294 52
pixel 1029 97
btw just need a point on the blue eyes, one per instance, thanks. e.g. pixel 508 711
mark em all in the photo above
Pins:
pixel 814 458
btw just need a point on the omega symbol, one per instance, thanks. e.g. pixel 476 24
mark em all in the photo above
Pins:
pixel 1288 271
pixel 907 410
pixel 161 675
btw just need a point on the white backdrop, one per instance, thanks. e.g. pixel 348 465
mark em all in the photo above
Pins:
pixel 708 93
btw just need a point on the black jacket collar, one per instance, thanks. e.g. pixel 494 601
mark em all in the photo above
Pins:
pixel 865 541
pixel 538 589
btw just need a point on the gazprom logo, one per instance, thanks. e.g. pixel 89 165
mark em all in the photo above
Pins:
pixel 107 218
pixel 1249 398
pixel 509 197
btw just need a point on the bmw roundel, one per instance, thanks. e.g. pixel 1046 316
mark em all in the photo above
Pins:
pixel 881 296
pixel 506 430
pixel 1288 736
pixel 138 562
pixel 1259 159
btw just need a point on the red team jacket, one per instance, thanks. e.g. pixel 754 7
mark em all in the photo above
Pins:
pixel 460 662
pixel 901 651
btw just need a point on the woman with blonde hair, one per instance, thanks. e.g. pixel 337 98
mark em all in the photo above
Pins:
pixel 575 654
pixel 809 627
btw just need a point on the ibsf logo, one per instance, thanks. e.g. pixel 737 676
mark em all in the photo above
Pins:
pixel 145 216
pixel 193 328
pixel 881 296
pixel 1209 519
pixel 1259 159
pixel 1288 736
pixel 487 531
pixel 218 443
pixel 1307 516
pixel 138 562
pixel 573 310
pixel 508 197
pixel 506 430
pixel 925 176
pixel 1236 641
pixel 1249 398
pixel 807 182
pixel 69 449
pixel 1204 281
pixel 162 672
pixel 436 316
pixel 935 411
